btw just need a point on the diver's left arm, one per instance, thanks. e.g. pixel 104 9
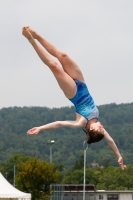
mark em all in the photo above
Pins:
pixel 114 148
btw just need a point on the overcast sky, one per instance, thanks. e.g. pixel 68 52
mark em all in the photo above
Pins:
pixel 97 34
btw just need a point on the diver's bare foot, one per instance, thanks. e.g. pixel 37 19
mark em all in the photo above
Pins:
pixel 33 33
pixel 27 34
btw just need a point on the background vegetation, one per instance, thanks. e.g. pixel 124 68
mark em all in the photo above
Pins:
pixel 35 176
pixel 68 147
pixel 30 154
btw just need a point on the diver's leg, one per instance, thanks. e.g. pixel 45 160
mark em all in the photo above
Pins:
pixel 69 66
pixel 65 82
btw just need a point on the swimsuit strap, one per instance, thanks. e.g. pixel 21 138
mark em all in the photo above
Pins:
pixel 88 122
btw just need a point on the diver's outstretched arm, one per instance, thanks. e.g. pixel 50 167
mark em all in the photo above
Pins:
pixel 55 125
pixel 114 148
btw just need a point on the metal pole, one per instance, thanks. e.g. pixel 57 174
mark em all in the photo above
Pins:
pixel 50 143
pixel 50 162
pixel 14 176
pixel 85 147
pixel 50 152
pixel 6 175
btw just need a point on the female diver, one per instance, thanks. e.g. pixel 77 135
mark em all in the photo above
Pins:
pixel 72 83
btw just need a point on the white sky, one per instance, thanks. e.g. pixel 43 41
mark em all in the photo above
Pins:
pixel 97 34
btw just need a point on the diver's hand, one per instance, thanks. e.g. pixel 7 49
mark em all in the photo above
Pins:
pixel 120 161
pixel 33 131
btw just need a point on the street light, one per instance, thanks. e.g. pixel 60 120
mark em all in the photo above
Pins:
pixel 51 142
pixel 85 147
pixel 14 175
pixel 6 175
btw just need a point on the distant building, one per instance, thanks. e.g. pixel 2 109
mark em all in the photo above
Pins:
pixel 75 192
pixel 94 164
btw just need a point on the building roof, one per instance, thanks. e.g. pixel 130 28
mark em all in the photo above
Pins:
pixel 78 187
pixel 94 164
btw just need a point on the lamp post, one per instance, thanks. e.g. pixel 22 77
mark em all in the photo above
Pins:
pixel 6 175
pixel 51 142
pixel 85 147
pixel 14 176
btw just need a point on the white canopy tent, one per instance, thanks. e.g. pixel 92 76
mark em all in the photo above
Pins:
pixel 7 191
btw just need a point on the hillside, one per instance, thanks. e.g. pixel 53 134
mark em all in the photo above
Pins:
pixel 68 147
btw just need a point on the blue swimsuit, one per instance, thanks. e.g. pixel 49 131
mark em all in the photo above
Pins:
pixel 84 103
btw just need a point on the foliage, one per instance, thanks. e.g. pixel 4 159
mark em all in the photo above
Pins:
pixel 12 164
pixel 79 164
pixel 115 179
pixel 35 176
pixel 110 178
pixel 68 147
pixel 2 169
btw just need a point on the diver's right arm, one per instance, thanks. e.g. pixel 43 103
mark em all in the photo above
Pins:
pixel 55 125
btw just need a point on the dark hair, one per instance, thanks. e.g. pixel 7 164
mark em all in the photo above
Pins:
pixel 93 136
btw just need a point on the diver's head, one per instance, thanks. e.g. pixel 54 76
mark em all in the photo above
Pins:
pixel 95 133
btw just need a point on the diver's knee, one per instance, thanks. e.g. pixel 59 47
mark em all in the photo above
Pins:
pixel 53 65
pixel 63 55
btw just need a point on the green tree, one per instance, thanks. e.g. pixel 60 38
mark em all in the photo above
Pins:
pixel 106 162
pixel 2 169
pixel 35 177
pixel 9 166
pixel 113 178
pixel 77 177
pixel 79 164
pixel 74 177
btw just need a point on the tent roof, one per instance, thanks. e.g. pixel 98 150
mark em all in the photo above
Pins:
pixel 8 191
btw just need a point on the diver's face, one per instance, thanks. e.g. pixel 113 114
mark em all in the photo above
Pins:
pixel 97 126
